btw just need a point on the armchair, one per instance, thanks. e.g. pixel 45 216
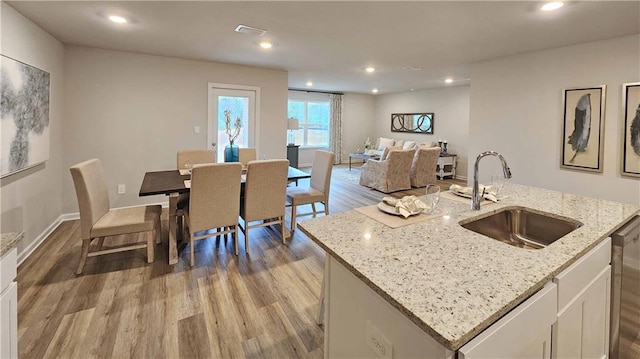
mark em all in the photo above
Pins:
pixel 423 168
pixel 390 174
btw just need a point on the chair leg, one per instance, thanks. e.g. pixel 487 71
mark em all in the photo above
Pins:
pixel 282 229
pixel 180 230
pixel 246 238
pixel 150 246
pixel 191 259
pixel 83 256
pixel 235 238
pixel 326 206
pixel 313 207
pixel 100 242
pixel 293 217
pixel 158 232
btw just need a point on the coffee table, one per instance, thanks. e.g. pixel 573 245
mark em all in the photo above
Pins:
pixel 361 156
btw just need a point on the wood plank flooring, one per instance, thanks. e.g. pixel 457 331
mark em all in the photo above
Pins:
pixel 261 305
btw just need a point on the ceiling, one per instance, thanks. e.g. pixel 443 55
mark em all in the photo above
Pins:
pixel 330 43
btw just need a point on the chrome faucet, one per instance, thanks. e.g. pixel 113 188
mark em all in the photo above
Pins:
pixel 477 197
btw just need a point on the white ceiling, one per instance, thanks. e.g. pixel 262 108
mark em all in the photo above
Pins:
pixel 330 43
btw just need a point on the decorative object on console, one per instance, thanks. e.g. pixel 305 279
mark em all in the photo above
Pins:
pixel 583 128
pixel 231 150
pixel 412 122
pixel 24 115
pixel 367 144
pixel 631 130
pixel 444 147
pixel 293 124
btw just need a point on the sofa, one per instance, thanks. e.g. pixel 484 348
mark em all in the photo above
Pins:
pixel 384 142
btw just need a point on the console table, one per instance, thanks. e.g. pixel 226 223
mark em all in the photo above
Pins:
pixel 292 155
pixel 446 166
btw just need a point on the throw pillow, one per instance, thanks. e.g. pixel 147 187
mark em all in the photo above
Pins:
pixel 409 145
pixel 384 143
pixel 399 143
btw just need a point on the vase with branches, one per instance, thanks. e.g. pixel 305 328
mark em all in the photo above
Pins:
pixel 231 150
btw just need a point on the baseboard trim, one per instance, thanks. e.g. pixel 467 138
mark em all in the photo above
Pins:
pixel 38 241
pixel 52 227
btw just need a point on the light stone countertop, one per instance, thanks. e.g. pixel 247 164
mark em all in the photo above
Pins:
pixel 8 241
pixel 451 282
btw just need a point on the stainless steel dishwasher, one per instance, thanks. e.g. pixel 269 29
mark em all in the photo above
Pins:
pixel 625 291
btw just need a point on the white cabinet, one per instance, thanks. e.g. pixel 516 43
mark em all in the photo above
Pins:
pixel 525 332
pixel 8 306
pixel 582 329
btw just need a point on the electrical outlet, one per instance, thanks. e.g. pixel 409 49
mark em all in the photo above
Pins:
pixel 378 342
pixel 121 189
pixel 196 130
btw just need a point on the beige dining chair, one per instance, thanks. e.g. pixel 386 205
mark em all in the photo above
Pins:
pixel 192 157
pixel 423 167
pixel 215 203
pixel 98 220
pixel 264 192
pixel 246 154
pixel 318 190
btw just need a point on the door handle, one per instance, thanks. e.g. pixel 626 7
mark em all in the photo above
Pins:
pixel 213 144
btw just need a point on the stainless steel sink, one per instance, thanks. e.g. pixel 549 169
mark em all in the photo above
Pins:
pixel 522 227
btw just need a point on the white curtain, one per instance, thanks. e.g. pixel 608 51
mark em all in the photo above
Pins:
pixel 335 126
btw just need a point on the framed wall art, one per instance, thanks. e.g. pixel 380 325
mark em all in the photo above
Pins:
pixel 412 122
pixel 24 116
pixel 583 128
pixel 631 129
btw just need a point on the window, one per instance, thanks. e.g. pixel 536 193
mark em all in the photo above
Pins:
pixel 313 117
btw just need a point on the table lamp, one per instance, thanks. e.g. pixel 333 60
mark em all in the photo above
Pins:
pixel 292 124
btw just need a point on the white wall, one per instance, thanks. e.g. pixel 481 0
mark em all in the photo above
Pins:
pixel 516 109
pixel 32 199
pixel 450 106
pixel 135 111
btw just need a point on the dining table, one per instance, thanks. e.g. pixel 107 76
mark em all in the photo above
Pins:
pixel 172 183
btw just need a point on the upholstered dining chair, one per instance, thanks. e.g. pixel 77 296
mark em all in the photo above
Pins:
pixel 318 190
pixel 246 154
pixel 191 157
pixel 423 167
pixel 214 205
pixel 389 174
pixel 98 220
pixel 264 192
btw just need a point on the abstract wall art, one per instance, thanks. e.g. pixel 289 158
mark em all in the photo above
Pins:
pixel 583 128
pixel 631 129
pixel 24 116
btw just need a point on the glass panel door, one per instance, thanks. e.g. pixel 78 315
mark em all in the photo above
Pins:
pixel 239 104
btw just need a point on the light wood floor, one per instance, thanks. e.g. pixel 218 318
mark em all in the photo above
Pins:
pixel 258 305
pixel 261 305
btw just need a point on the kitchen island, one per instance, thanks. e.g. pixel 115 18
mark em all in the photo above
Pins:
pixel 450 282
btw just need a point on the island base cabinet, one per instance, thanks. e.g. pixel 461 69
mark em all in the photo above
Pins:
pixel 8 318
pixel 525 332
pixel 582 329
pixel 359 323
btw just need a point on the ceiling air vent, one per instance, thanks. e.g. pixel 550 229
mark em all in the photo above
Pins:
pixel 250 30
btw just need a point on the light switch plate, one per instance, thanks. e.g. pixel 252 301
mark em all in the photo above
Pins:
pixel 121 189
pixel 378 342
pixel 196 130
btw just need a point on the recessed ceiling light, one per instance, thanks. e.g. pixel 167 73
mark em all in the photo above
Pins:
pixel 309 83
pixel 266 45
pixel 118 19
pixel 374 90
pixel 550 6
pixel 448 80
pixel 370 69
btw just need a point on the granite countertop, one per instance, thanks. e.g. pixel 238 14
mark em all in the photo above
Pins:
pixel 454 283
pixel 8 241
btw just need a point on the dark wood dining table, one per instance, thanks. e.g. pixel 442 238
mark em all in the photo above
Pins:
pixel 171 183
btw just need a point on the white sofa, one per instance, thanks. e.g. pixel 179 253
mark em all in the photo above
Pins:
pixel 384 142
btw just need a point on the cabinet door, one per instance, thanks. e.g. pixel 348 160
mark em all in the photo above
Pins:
pixel 525 332
pixel 9 322
pixel 582 330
